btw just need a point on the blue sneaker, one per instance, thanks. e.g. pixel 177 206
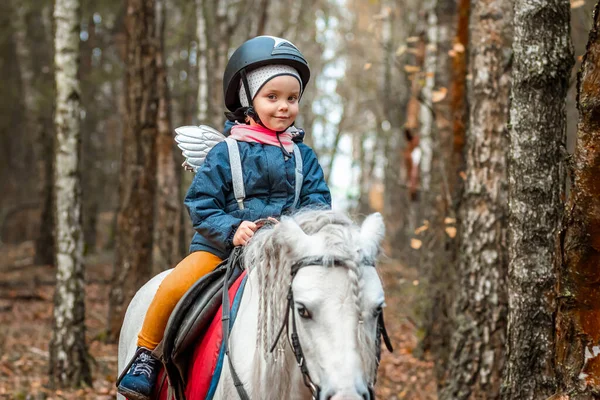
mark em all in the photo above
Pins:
pixel 137 384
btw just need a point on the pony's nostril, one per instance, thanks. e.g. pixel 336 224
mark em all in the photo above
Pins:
pixel 366 394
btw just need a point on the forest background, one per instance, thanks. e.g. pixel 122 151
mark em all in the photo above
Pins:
pixel 463 122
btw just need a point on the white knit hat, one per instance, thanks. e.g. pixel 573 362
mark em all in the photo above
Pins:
pixel 262 75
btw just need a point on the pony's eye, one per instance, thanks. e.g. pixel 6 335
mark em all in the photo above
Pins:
pixel 303 312
pixel 378 310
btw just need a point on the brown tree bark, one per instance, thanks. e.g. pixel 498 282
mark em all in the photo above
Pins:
pixel 577 334
pixel 543 58
pixel 137 186
pixel 218 21
pixel 68 365
pixel 168 197
pixel 92 174
pixel 37 116
pixel 477 353
pixel 460 117
pixel 395 93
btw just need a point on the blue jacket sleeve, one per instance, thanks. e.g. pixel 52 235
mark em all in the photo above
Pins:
pixel 315 191
pixel 207 197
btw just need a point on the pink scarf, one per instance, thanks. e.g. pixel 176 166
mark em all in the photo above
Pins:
pixel 262 135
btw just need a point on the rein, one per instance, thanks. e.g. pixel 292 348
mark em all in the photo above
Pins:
pixel 233 262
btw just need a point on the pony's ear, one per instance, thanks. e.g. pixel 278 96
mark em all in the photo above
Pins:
pixel 290 235
pixel 372 232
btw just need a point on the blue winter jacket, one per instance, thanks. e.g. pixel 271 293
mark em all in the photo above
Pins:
pixel 269 181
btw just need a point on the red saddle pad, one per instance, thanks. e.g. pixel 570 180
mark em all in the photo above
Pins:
pixel 205 357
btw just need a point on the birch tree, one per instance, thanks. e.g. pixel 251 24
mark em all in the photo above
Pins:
pixel 68 353
pixel 137 186
pixel 426 117
pixel 543 58
pixel 577 328
pixel 438 252
pixel 477 353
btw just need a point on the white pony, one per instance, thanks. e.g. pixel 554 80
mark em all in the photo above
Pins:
pixel 336 299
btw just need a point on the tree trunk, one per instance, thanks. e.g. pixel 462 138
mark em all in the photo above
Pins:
pixel 438 250
pixel 543 59
pixel 44 246
pixel 425 110
pixel 168 198
pixel 92 174
pixel 35 116
pixel 218 20
pixel 68 353
pixel 458 94
pixel 577 321
pixel 395 95
pixel 477 353
pixel 137 188
pixel 203 84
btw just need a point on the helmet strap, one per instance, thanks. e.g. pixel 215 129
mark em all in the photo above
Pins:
pixel 251 112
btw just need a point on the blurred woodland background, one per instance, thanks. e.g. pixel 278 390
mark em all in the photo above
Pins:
pixel 462 121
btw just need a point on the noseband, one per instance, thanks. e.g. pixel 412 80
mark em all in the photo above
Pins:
pixel 293 338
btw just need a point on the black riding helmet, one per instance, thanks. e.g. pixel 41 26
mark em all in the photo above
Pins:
pixel 255 53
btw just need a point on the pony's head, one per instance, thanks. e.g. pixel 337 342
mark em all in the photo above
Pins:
pixel 334 303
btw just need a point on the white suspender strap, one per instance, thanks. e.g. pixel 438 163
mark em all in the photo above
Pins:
pixel 299 175
pixel 237 178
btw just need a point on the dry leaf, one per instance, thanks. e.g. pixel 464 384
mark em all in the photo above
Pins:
pixel 367 66
pixel 459 47
pixel 401 50
pixel 415 282
pixel 451 231
pixel 411 68
pixel 422 228
pixel 463 175
pixel 559 396
pixel 412 39
pixel 449 220
pixel 577 3
pixel 452 53
pixel 415 244
pixel 439 95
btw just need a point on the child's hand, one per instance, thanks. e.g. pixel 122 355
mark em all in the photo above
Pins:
pixel 244 232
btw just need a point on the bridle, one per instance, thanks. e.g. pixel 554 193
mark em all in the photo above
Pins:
pixel 293 335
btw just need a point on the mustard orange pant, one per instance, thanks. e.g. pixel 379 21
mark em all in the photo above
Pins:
pixel 172 288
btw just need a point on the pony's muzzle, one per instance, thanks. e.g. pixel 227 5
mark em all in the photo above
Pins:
pixel 357 394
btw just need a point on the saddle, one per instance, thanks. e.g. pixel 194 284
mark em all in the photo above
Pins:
pixel 189 321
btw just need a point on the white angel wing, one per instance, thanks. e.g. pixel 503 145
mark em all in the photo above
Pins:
pixel 195 143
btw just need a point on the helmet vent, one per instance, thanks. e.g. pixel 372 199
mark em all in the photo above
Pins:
pixel 287 49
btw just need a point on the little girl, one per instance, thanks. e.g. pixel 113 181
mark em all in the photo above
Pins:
pixel 263 83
